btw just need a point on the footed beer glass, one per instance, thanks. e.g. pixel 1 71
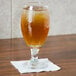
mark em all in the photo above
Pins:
pixel 35 26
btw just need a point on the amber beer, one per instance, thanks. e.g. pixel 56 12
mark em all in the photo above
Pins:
pixel 35 25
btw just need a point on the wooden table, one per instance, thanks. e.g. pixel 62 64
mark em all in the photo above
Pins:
pixel 59 49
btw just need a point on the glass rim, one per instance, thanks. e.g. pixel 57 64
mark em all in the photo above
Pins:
pixel 35 3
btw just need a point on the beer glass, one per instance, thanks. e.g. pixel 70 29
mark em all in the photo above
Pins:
pixel 35 26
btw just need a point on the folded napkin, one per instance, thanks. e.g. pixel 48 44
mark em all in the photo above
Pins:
pixel 24 66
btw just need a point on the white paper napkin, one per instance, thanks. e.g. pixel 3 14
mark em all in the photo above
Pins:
pixel 23 66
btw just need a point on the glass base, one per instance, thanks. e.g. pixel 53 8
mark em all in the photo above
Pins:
pixel 41 64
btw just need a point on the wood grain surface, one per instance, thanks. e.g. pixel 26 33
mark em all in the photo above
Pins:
pixel 59 49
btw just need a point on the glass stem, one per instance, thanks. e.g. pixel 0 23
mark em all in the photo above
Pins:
pixel 34 56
